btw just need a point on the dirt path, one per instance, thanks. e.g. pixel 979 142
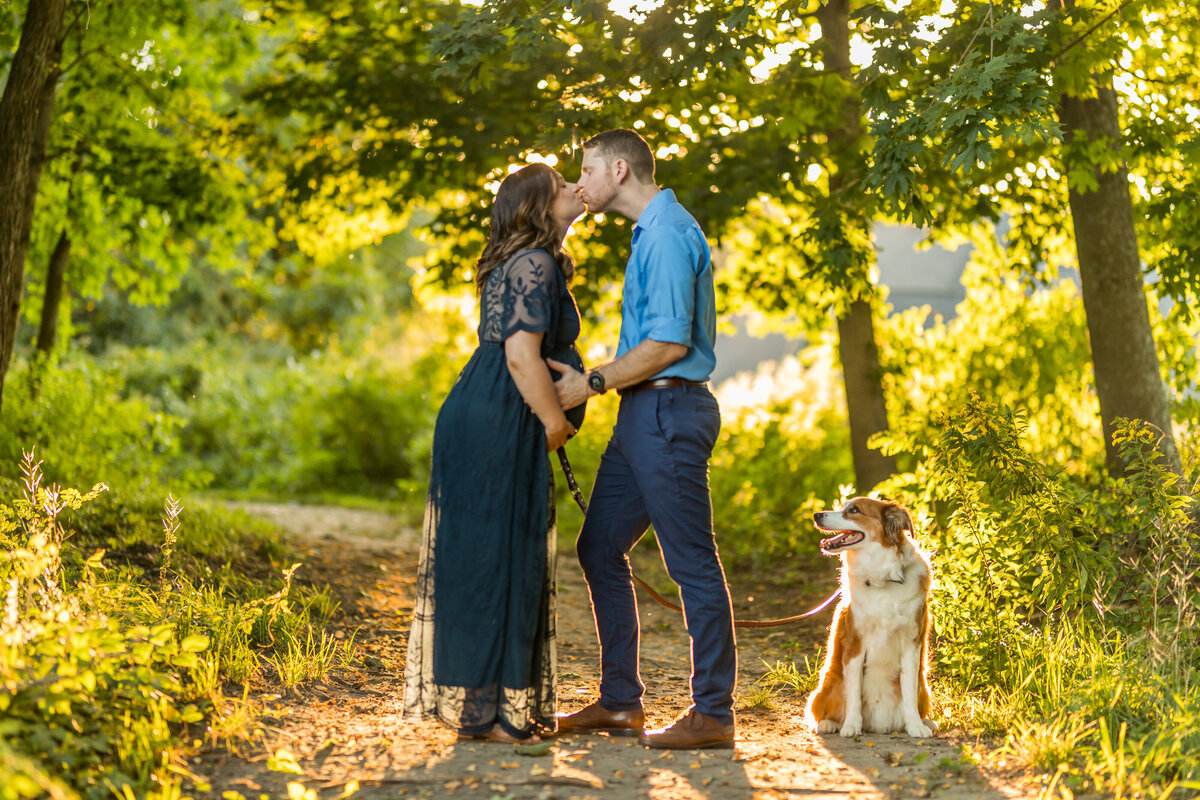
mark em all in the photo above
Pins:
pixel 347 733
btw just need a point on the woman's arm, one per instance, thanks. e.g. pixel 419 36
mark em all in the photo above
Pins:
pixel 523 350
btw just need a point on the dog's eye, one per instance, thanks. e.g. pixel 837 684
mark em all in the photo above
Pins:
pixel 851 510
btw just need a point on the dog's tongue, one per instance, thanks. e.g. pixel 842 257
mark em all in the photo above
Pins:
pixel 834 542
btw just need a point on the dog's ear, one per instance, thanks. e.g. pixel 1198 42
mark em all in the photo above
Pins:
pixel 895 522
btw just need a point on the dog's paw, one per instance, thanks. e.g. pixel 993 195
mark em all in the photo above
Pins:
pixel 827 726
pixel 919 730
pixel 851 728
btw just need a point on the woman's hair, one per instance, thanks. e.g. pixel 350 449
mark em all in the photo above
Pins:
pixel 522 219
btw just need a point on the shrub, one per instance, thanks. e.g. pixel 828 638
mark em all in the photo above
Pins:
pixel 107 664
pixel 1058 594
pixel 784 445
pixel 89 425
pixel 364 426
pixel 264 420
pixel 1026 350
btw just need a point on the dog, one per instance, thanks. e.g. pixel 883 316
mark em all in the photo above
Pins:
pixel 873 678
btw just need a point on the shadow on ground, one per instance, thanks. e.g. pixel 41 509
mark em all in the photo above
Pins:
pixel 345 735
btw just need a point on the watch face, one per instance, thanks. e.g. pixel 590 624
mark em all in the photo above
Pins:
pixel 596 381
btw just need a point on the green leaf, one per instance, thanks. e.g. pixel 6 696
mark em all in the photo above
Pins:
pixel 194 643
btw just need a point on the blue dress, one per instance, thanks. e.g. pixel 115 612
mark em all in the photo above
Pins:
pixel 481 649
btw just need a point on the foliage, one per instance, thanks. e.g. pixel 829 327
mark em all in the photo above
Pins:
pixel 108 673
pixel 1020 346
pixel 331 421
pixel 139 177
pixel 782 448
pixel 1055 592
pixel 975 92
pixel 84 418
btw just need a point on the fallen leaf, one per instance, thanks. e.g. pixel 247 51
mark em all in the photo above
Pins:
pixel 537 749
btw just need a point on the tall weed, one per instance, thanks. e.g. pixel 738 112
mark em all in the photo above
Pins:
pixel 1070 604
pixel 108 664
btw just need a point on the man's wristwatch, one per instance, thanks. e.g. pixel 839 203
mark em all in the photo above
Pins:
pixel 595 381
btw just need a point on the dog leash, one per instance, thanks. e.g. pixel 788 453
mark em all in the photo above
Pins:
pixel 573 485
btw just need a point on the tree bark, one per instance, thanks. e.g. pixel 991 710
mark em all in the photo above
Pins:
pixel 56 271
pixel 857 350
pixel 864 393
pixel 1128 378
pixel 26 110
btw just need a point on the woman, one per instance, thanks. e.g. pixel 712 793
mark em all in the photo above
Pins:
pixel 481 649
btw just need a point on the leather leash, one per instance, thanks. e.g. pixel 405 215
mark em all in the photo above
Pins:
pixel 573 485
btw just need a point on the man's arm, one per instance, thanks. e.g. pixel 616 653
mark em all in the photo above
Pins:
pixel 648 358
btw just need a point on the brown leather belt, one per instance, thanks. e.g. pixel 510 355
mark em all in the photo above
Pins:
pixel 659 383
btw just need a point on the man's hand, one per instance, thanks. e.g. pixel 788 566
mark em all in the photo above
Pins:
pixel 572 387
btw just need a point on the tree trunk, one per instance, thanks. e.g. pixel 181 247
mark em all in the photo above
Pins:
pixel 1128 381
pixel 865 404
pixel 56 270
pixel 864 394
pixel 26 109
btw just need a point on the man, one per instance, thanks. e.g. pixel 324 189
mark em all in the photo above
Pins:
pixel 655 469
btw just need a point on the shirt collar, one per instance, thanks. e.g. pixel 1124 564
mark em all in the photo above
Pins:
pixel 655 207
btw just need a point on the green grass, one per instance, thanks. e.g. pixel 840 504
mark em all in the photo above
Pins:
pixel 129 630
pixel 1079 660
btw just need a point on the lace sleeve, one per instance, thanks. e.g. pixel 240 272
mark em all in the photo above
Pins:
pixel 529 293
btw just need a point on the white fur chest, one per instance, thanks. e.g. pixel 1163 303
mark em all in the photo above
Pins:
pixel 884 578
pixel 886 590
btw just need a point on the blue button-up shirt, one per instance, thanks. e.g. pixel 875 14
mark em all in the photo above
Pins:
pixel 668 291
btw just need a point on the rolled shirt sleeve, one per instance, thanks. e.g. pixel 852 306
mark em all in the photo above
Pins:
pixel 668 292
pixel 670 258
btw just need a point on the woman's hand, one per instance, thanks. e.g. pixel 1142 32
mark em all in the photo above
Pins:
pixel 557 434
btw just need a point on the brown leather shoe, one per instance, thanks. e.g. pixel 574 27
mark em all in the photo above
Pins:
pixel 598 719
pixel 692 731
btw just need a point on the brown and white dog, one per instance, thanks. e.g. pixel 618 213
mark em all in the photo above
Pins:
pixel 873 678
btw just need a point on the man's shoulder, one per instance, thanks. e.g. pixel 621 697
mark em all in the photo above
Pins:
pixel 673 214
pixel 674 222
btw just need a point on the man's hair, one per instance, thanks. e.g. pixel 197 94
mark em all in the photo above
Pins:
pixel 626 144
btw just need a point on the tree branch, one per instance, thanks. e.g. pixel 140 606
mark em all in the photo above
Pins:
pixel 69 29
pixel 82 55
pixel 987 18
pixel 1090 30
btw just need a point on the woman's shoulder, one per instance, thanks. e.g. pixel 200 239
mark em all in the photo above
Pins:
pixel 538 254
pixel 532 260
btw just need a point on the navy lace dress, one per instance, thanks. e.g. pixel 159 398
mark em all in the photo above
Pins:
pixel 481 649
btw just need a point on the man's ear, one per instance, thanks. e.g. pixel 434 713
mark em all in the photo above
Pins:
pixel 620 169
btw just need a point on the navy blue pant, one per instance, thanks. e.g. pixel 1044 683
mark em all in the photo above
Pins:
pixel 655 471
